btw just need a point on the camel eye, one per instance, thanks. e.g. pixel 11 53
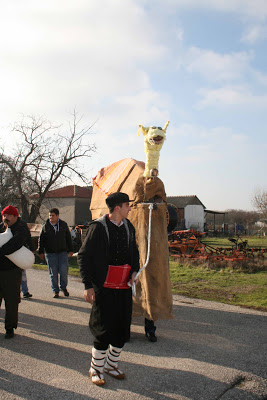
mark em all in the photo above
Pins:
pixel 154 127
pixel 159 128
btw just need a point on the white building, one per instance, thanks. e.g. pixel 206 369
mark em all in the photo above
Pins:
pixel 190 212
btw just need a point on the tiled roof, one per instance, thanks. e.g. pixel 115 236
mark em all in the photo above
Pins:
pixel 183 201
pixel 71 191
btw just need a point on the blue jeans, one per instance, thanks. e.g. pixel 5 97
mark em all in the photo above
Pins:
pixel 24 286
pixel 58 264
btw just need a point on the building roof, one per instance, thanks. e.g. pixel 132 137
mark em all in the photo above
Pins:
pixel 183 201
pixel 215 212
pixel 71 191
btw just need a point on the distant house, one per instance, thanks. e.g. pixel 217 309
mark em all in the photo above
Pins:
pixel 190 212
pixel 73 203
pixel 262 223
pixel 261 226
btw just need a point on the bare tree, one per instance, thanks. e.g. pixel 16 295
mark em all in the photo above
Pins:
pixel 234 216
pixel 260 202
pixel 242 217
pixel 6 188
pixel 44 156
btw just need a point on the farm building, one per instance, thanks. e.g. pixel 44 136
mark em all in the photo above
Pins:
pixel 190 212
pixel 72 201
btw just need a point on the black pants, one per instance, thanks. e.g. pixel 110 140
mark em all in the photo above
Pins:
pixel 104 346
pixel 10 282
pixel 110 318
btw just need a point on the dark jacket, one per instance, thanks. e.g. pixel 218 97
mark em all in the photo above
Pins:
pixel 55 242
pixel 94 253
pixel 21 237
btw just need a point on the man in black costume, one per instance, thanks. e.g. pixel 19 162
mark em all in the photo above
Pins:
pixel 108 260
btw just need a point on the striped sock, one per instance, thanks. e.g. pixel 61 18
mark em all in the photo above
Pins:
pixel 97 363
pixel 111 365
pixel 113 356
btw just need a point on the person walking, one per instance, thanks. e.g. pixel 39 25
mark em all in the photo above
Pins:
pixel 10 274
pixel 55 245
pixel 24 286
pixel 108 260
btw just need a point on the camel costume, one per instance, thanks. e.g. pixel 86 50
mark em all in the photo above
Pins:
pixel 153 292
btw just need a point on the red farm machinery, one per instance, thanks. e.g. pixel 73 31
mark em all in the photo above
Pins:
pixel 188 244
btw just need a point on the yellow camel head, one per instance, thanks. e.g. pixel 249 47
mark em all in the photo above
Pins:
pixel 154 136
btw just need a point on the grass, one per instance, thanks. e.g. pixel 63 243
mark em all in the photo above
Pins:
pixel 238 284
pixel 225 285
pixel 224 242
pixel 73 267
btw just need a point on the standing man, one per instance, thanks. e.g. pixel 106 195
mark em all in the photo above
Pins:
pixel 24 283
pixel 108 259
pixel 55 245
pixel 10 274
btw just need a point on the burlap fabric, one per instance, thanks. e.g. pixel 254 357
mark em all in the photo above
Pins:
pixel 153 292
pixel 154 297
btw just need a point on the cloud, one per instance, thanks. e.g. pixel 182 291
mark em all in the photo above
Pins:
pixel 216 67
pixel 255 33
pixel 106 31
pixel 230 96
pixel 146 107
pixel 206 154
pixel 188 130
pixel 58 54
pixel 256 9
pixel 231 78
pixel 201 148
pixel 260 77
pixel 118 125
pixel 239 138
pixel 179 34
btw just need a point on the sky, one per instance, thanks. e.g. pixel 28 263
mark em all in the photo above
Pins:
pixel 201 64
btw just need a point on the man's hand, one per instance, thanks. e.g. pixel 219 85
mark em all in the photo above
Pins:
pixel 41 256
pixel 132 278
pixel 89 295
pixel 70 254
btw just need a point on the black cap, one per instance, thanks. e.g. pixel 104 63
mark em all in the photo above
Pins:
pixel 117 198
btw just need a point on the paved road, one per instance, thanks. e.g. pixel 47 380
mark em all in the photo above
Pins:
pixel 209 351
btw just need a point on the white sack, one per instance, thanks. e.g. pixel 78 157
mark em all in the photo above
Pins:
pixel 23 257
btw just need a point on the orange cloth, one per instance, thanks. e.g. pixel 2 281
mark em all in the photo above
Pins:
pixel 109 178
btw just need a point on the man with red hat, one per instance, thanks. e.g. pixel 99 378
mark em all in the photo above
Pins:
pixel 10 274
